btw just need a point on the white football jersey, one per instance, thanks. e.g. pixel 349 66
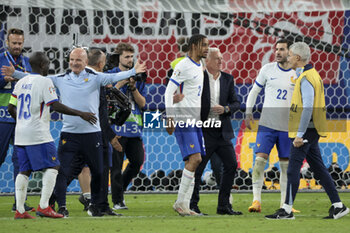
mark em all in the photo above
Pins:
pixel 279 86
pixel 188 76
pixel 34 94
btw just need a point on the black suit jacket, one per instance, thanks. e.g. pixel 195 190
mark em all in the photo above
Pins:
pixel 228 98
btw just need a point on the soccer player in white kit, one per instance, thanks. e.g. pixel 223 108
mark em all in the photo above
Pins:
pixel 30 105
pixel 188 79
pixel 277 80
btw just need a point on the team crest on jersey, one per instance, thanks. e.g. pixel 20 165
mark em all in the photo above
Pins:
pixel 64 141
pixel 86 79
pixel 53 158
pixel 52 90
pixel 192 146
pixel 258 145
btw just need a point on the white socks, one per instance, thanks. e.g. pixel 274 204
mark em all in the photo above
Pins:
pixel 338 205
pixel 186 187
pixel 87 195
pixel 283 180
pixel 21 186
pixel 258 177
pixel 287 208
pixel 49 181
pixel 189 193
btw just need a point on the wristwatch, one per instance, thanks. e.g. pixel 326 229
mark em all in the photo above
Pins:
pixel 227 109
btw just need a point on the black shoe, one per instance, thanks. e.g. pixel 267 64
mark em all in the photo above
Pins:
pixel 63 210
pixel 227 210
pixel 197 210
pixel 93 211
pixel 85 201
pixel 335 213
pixel 110 212
pixel 280 214
pixel 26 208
pixel 120 206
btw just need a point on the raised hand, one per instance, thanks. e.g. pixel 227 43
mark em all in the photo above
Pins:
pixel 140 67
pixel 7 70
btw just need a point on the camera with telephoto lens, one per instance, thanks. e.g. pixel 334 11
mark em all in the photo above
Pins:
pixel 118 105
pixel 112 61
pixel 141 77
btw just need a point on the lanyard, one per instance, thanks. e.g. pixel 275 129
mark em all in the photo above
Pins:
pixel 12 61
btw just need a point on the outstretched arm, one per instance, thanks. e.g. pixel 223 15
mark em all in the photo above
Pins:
pixel 87 116
pixel 110 78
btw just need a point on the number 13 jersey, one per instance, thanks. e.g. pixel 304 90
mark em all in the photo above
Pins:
pixel 34 94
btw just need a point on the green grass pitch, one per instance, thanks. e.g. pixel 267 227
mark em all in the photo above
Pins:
pixel 154 213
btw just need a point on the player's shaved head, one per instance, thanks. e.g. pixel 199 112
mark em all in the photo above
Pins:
pixel 39 63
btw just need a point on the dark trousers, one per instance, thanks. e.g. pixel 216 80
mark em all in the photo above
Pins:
pixel 7 132
pixel 217 167
pixel 311 152
pixel 135 153
pixel 89 147
pixel 214 142
pixel 77 166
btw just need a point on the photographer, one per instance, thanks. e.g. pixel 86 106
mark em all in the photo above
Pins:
pixel 131 131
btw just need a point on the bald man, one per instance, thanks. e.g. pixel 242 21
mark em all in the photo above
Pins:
pixel 80 89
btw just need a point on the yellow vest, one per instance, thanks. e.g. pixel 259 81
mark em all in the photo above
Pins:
pixel 319 106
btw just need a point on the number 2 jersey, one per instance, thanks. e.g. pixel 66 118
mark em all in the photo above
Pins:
pixel 279 88
pixel 188 76
pixel 34 94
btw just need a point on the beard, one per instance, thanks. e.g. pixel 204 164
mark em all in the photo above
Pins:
pixel 15 52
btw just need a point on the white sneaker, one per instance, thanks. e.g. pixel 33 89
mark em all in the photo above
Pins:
pixel 336 213
pixel 340 212
pixel 181 209
pixel 120 206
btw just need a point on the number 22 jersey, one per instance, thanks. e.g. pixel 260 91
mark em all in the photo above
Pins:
pixel 279 88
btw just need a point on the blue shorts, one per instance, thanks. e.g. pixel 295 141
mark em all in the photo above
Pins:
pixel 190 141
pixel 267 138
pixel 37 157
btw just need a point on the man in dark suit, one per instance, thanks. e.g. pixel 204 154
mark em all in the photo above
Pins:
pixel 219 102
